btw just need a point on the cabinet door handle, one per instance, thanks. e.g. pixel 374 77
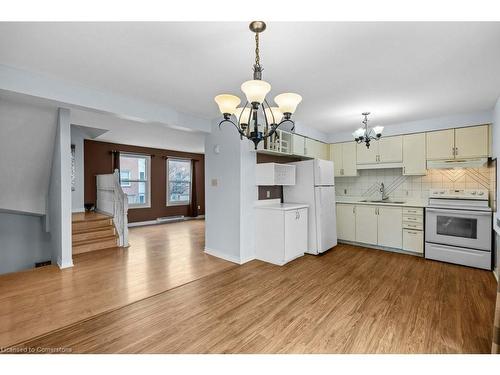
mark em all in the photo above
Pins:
pixel 412 218
pixel 353 209
pixel 404 170
pixel 411 232
pixel 456 150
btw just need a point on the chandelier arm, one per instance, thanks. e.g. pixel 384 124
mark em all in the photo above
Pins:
pixel 236 126
pixel 270 110
pixel 275 127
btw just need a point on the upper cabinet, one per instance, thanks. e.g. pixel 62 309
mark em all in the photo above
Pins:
pixel 385 150
pixel 298 145
pixel 316 149
pixel 414 162
pixel 441 144
pixel 461 143
pixel 471 142
pixel 343 156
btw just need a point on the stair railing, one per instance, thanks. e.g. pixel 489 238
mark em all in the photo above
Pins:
pixel 113 201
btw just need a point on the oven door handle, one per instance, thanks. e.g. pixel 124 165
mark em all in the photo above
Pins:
pixel 459 212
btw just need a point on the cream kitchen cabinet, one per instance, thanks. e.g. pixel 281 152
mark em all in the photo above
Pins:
pixel 289 238
pixel 298 145
pixel 460 143
pixel 384 151
pixel 472 142
pixel 316 149
pixel 343 156
pixel 346 222
pixel 414 156
pixel 366 224
pixel 390 227
pixel 440 144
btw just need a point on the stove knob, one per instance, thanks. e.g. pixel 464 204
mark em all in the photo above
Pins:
pixel 474 193
pixel 481 193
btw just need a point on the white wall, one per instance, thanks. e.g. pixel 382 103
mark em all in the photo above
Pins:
pixel 27 131
pixel 23 242
pixel 496 154
pixel 444 122
pixel 59 197
pixel 77 197
pixel 119 130
pixel 229 205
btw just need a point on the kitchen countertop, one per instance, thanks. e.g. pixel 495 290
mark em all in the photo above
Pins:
pixel 408 202
pixel 282 206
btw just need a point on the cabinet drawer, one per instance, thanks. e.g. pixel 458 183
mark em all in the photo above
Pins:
pixel 413 240
pixel 413 211
pixel 413 226
pixel 413 219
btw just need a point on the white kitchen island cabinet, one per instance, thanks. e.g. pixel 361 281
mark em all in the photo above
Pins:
pixel 281 232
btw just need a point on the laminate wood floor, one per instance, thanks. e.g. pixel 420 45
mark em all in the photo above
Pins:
pixel 159 258
pixel 349 300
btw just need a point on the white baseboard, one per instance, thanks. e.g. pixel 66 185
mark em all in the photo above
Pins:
pixel 65 264
pixel 78 210
pixel 495 273
pixel 227 257
pixel 246 260
pixel 155 222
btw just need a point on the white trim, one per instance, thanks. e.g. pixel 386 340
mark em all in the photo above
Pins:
pixel 246 260
pixel 495 273
pixel 227 257
pixel 179 203
pixel 147 204
pixel 64 265
pixel 77 210
pixel 383 248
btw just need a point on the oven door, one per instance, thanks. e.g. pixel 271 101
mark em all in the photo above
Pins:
pixel 467 229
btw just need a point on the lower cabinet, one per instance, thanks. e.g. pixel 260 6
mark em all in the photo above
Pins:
pixel 381 226
pixel 390 227
pixel 366 224
pixel 346 222
pixel 288 238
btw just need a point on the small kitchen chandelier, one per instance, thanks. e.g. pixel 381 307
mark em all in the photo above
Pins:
pixel 364 134
pixel 247 117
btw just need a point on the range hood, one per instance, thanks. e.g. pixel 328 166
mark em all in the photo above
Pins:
pixel 457 163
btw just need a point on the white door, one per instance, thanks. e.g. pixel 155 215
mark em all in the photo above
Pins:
pixel 390 226
pixel 390 149
pixel 349 159
pixel 440 144
pixel 346 222
pixel 366 155
pixel 471 142
pixel 414 162
pixel 295 233
pixel 336 157
pixel 323 172
pixel 366 224
pixel 326 226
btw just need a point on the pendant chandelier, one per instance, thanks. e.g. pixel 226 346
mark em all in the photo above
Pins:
pixel 247 117
pixel 364 134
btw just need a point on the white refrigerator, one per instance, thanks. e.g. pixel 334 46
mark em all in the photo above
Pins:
pixel 315 186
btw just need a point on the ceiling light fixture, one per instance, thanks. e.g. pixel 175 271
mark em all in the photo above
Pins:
pixel 364 134
pixel 247 117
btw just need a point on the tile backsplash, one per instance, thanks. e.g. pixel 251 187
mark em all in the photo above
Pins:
pixel 367 184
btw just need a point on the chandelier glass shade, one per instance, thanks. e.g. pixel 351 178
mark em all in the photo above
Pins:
pixel 257 120
pixel 365 134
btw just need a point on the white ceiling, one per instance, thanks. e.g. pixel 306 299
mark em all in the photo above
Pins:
pixel 399 71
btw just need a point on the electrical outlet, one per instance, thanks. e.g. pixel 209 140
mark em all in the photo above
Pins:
pixel 214 182
pixel 268 194
pixel 199 207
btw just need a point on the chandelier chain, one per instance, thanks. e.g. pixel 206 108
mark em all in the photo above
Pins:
pixel 257 56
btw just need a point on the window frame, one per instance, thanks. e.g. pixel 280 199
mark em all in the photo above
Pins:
pixel 127 180
pixel 147 193
pixel 167 167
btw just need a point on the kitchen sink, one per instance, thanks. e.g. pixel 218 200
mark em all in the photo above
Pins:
pixel 382 201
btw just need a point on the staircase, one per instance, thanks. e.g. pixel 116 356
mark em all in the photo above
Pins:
pixel 93 231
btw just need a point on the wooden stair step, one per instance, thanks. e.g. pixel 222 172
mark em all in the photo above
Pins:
pixel 93 234
pixel 92 230
pixel 84 225
pixel 88 216
pixel 94 244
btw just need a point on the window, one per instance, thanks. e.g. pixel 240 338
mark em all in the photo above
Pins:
pixel 178 182
pixel 134 179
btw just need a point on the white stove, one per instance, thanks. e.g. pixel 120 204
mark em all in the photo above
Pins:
pixel 458 227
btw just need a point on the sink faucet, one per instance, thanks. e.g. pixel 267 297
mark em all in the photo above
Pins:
pixel 382 191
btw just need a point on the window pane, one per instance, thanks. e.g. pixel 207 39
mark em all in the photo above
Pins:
pixel 136 192
pixel 179 192
pixel 136 166
pixel 179 181
pixel 179 170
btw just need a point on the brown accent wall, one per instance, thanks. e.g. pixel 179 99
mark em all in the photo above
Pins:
pixel 98 159
pixel 276 192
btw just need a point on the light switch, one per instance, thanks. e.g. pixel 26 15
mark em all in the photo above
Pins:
pixel 268 194
pixel 214 182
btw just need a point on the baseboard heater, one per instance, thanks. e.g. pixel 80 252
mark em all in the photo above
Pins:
pixel 167 219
